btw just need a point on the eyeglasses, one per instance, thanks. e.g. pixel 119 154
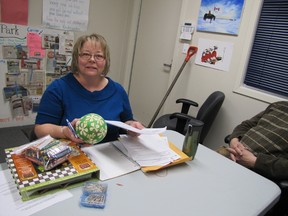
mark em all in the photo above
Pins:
pixel 88 56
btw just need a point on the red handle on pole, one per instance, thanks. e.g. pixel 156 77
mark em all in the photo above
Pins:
pixel 190 52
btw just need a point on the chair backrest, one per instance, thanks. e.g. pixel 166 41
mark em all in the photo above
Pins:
pixel 208 112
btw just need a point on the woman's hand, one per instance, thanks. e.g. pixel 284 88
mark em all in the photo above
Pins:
pixel 134 124
pixel 67 132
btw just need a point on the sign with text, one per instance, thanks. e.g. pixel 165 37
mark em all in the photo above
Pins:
pixel 66 14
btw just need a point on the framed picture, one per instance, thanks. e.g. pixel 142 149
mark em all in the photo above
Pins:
pixel 220 16
pixel 214 54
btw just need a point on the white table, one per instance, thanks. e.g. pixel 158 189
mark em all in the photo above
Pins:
pixel 209 185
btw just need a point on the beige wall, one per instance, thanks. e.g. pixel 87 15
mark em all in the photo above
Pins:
pixel 111 18
pixel 200 81
pixel 116 20
pixel 197 82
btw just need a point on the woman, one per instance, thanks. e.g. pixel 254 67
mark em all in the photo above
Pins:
pixel 85 90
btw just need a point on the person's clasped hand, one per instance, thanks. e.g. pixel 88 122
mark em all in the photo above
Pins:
pixel 240 154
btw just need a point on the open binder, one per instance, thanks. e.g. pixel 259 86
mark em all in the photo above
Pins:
pixel 182 157
pixel 113 160
pixel 149 131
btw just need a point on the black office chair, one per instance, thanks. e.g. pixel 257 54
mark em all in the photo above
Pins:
pixel 207 114
pixel 280 209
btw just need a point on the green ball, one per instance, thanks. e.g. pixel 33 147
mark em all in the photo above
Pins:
pixel 91 128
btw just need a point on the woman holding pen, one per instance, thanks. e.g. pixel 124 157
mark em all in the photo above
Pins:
pixel 86 89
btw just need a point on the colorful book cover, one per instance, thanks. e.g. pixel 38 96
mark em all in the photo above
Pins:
pixel 32 181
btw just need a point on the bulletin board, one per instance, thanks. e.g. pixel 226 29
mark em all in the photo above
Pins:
pixel 30 59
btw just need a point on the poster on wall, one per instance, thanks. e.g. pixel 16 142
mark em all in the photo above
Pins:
pixel 66 14
pixel 30 59
pixel 220 16
pixel 214 54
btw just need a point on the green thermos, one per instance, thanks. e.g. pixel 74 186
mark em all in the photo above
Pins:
pixel 192 136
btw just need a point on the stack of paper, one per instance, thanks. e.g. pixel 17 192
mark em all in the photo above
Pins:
pixel 147 131
pixel 149 150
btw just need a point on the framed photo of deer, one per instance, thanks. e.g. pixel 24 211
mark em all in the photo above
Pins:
pixel 220 16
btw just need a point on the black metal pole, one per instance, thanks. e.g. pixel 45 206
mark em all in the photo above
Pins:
pixel 167 94
pixel 191 51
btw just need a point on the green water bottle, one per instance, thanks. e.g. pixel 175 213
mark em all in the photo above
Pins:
pixel 192 136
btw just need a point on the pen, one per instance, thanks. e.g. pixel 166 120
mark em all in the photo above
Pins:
pixel 71 128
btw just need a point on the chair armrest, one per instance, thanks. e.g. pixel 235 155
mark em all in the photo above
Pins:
pixel 186 103
pixel 283 185
pixel 182 116
pixel 182 120
pixel 227 139
pixel 195 122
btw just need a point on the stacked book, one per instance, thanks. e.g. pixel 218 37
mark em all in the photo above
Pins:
pixel 32 181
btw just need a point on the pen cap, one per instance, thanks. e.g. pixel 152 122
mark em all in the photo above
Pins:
pixel 192 137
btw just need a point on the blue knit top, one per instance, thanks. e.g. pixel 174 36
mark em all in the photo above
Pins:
pixel 67 98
